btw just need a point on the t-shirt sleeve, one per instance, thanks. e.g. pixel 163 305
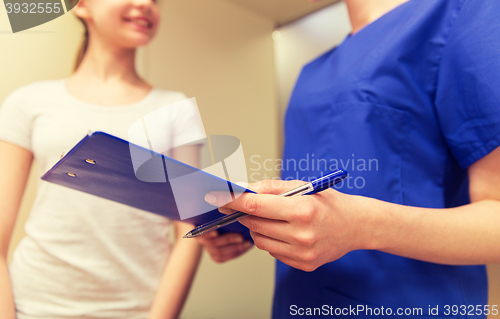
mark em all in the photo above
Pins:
pixel 468 86
pixel 15 122
pixel 187 123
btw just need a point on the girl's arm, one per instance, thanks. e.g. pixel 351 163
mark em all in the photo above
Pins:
pixel 177 276
pixel 183 261
pixel 15 164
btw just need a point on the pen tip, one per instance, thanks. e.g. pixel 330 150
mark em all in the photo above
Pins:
pixel 187 236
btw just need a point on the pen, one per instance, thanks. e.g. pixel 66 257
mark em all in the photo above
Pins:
pixel 310 188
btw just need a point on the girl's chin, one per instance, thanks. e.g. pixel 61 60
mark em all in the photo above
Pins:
pixel 134 42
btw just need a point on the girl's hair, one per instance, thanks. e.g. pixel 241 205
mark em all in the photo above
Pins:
pixel 83 46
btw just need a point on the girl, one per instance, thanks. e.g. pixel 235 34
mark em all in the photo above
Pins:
pixel 84 256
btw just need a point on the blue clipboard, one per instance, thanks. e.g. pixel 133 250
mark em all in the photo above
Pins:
pixel 101 165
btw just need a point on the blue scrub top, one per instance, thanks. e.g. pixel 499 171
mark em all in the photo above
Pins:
pixel 405 105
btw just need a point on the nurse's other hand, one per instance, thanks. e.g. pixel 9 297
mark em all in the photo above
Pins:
pixel 304 232
pixel 224 247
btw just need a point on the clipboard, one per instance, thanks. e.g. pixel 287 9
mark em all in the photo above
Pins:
pixel 101 164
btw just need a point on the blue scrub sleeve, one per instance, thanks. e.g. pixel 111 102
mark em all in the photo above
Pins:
pixel 468 85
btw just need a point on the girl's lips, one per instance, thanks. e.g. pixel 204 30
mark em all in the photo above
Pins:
pixel 141 23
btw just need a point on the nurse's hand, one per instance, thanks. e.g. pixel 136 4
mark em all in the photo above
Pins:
pixel 224 247
pixel 304 232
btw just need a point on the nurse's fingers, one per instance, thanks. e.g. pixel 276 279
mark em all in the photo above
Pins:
pixel 221 198
pixel 270 186
pixel 271 228
pixel 226 211
pixel 294 263
pixel 264 205
pixel 294 255
pixel 273 246
pixel 267 186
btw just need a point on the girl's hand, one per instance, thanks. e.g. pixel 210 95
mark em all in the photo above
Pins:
pixel 224 247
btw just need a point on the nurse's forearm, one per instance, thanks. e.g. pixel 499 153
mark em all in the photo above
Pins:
pixel 465 235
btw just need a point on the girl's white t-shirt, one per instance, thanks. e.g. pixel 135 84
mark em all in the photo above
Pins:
pixel 83 256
